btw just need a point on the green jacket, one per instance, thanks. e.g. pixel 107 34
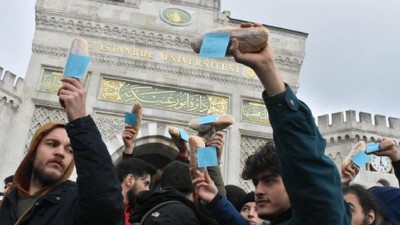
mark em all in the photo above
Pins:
pixel 311 179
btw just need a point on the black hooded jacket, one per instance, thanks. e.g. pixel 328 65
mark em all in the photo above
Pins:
pixel 177 213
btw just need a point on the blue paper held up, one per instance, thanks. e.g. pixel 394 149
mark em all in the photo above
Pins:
pixel 372 147
pixel 207 157
pixel 76 66
pixel 214 45
pixel 183 135
pixel 130 118
pixel 360 159
pixel 208 119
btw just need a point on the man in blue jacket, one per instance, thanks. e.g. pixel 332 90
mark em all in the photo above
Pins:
pixel 43 194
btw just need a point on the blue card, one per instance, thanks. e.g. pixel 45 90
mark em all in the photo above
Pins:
pixel 360 158
pixel 207 157
pixel 215 45
pixel 207 119
pixel 76 66
pixel 183 134
pixel 130 118
pixel 372 147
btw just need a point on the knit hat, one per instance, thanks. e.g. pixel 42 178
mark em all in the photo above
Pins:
pixel 249 197
pixel 23 174
pixel 389 200
pixel 235 195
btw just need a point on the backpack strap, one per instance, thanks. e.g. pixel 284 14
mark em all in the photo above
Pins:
pixel 157 207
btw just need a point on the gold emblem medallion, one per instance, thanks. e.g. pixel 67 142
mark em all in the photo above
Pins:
pixel 176 16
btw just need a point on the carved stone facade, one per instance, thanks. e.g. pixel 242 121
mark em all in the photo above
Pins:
pixel 248 145
pixel 140 52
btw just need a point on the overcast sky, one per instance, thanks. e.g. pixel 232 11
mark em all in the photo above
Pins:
pixel 352 51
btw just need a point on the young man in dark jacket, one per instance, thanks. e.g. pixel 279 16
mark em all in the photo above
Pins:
pixel 309 186
pixel 310 178
pixel 43 194
pixel 135 177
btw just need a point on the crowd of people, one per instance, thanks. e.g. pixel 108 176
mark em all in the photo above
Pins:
pixel 295 182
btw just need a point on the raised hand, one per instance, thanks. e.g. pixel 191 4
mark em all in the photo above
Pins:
pixel 217 140
pixel 205 188
pixel 393 153
pixel 129 137
pixel 130 132
pixel 349 173
pixel 263 64
pixel 73 96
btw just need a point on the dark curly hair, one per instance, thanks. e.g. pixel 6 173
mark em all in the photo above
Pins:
pixel 265 159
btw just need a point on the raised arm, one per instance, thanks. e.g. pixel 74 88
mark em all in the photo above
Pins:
pixel 311 178
pixel 263 64
pixel 100 199
pixel 218 205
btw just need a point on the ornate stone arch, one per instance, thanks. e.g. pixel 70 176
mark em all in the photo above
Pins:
pixel 153 145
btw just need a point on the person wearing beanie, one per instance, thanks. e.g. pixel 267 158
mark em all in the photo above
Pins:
pixel 249 211
pixel 42 193
pixel 389 200
pixel 235 194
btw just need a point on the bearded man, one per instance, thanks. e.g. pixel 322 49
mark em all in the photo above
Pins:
pixel 135 177
pixel 42 193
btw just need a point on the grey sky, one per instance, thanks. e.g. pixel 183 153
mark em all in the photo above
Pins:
pixel 351 51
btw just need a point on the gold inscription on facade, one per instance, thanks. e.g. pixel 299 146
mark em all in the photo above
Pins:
pixel 162 97
pixel 200 62
pixel 177 58
pixel 123 50
pixel 254 112
pixel 51 81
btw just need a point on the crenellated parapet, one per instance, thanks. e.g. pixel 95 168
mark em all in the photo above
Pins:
pixel 10 89
pixel 345 127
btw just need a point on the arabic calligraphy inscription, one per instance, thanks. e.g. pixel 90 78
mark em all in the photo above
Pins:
pixel 163 97
pixel 254 112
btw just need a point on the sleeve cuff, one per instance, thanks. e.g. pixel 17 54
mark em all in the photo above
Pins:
pixel 80 122
pixel 214 202
pixel 126 155
pixel 286 98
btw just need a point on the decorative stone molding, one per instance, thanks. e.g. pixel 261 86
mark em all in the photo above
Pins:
pixel 289 65
pixel 214 5
pixel 50 51
pixel 134 36
pixel 125 3
pixel 248 145
pixel 118 34
pixel 10 88
pixel 179 72
pixel 287 33
pixel 10 101
pixel 337 157
pixel 109 124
